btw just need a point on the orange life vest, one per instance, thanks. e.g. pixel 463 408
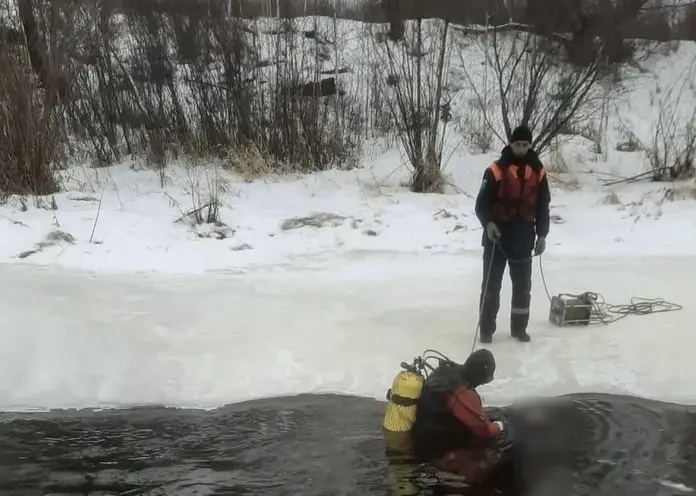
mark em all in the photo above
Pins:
pixel 517 192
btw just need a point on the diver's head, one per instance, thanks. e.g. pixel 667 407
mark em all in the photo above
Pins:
pixel 479 368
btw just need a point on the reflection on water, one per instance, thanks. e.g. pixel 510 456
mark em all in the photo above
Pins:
pixel 315 445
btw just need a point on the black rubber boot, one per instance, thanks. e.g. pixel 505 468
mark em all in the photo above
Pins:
pixel 518 327
pixel 486 331
pixel 522 336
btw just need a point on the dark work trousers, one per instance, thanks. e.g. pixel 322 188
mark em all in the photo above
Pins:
pixel 520 265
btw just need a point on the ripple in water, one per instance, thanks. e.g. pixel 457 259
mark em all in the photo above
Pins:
pixel 318 445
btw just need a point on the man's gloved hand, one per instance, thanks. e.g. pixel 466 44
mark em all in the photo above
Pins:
pixel 540 245
pixel 493 232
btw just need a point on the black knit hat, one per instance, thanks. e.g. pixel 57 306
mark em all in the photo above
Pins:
pixel 521 133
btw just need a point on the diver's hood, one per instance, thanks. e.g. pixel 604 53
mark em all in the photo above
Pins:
pixel 478 369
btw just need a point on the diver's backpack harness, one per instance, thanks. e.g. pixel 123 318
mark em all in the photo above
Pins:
pixel 588 308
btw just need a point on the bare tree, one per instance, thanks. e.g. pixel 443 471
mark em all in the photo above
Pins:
pixel 418 97
pixel 32 139
pixel 532 84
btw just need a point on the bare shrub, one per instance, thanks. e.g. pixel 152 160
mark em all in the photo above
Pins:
pixel 474 128
pixel 31 137
pixel 197 81
pixel 418 96
pixel 589 131
pixel 672 149
pixel 556 163
pixel 307 123
pixel 629 141
pixel 204 188
pixel 250 162
pixel 533 84
pixel 382 123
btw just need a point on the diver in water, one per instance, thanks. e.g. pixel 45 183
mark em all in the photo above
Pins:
pixel 452 431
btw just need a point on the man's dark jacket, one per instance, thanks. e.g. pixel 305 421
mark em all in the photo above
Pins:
pixel 517 236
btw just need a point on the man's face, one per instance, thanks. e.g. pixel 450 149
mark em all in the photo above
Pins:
pixel 520 148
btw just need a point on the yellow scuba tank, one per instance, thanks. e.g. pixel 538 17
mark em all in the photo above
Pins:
pixel 400 414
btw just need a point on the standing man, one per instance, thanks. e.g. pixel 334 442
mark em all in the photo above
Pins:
pixel 513 208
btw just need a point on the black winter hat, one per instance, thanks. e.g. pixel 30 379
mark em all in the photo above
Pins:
pixel 521 133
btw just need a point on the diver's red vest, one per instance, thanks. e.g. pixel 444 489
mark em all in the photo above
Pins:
pixel 517 192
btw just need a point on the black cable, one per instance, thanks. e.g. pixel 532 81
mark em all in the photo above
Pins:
pixel 606 313
pixel 485 295
pixel 602 312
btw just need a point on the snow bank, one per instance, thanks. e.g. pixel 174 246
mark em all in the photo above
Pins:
pixel 311 220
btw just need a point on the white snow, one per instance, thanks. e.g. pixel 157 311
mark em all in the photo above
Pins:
pixel 151 309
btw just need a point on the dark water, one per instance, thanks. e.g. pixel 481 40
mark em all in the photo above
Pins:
pixel 315 445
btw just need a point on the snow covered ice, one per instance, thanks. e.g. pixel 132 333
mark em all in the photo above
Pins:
pixel 141 307
pixel 203 341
